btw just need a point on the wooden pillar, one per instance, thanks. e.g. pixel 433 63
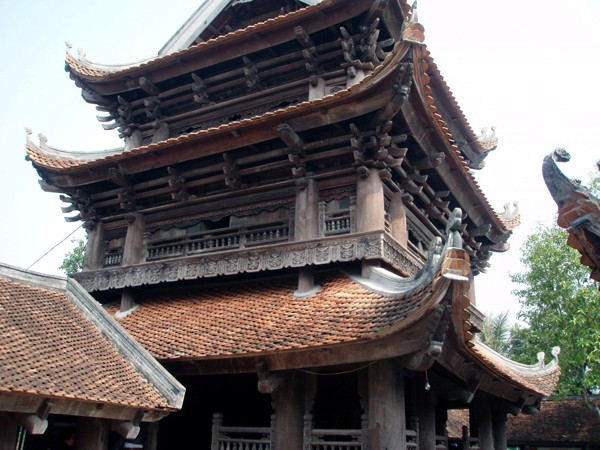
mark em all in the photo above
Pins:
pixel 370 207
pixel 151 436
pixel 94 250
pixel 499 429
pixel 133 250
pixel 398 225
pixel 387 415
pixel 480 416
pixel 306 227
pixel 92 434
pixel 8 432
pixel 426 414
pixel 289 412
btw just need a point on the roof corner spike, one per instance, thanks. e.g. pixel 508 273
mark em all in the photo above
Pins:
pixel 414 31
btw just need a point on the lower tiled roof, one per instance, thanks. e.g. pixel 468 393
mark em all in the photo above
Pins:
pixel 48 348
pixel 558 421
pixel 247 318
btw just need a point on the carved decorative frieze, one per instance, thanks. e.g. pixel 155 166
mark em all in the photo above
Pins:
pixel 327 250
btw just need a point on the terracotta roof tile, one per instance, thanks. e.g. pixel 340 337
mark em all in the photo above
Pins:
pixel 48 348
pixel 254 317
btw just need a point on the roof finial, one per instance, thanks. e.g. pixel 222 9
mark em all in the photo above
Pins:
pixel 414 31
pixel 488 140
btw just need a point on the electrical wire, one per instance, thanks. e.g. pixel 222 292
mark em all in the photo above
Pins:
pixel 45 254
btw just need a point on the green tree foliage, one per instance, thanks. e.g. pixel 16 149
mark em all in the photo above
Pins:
pixel 561 305
pixel 496 333
pixel 73 261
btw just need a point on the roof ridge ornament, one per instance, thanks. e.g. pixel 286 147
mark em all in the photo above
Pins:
pixel 488 140
pixel 511 216
pixel 413 31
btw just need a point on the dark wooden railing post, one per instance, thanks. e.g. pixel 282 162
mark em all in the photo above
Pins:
pixel 216 430
pixel 364 436
pixel 272 433
pixel 307 435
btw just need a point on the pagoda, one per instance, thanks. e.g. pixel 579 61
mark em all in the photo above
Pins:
pixel 292 228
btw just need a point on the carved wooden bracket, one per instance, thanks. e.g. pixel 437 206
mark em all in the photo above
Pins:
pixel 268 383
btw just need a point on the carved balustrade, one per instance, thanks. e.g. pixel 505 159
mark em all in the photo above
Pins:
pixel 338 223
pixel 241 438
pixel 216 240
pixel 113 258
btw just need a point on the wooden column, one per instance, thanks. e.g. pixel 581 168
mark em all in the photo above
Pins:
pixel 8 432
pixel 92 434
pixel 398 225
pixel 94 250
pixel 426 414
pixel 133 250
pixel 289 412
pixel 499 429
pixel 151 436
pixel 387 415
pixel 480 416
pixel 370 207
pixel 306 227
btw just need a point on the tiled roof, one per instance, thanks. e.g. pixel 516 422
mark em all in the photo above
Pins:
pixel 558 421
pixel 48 347
pixel 446 134
pixel 47 157
pixel 240 319
pixel 92 70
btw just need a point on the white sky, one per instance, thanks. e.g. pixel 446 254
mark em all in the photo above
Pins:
pixel 531 68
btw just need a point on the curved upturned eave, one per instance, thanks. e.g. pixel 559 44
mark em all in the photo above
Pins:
pixel 538 380
pixel 121 76
pixel 560 186
pixel 69 165
pixel 451 149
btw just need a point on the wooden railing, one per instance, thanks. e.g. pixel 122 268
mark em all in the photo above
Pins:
pixel 334 439
pixel 241 438
pixel 412 435
pixel 113 258
pixel 337 223
pixel 441 443
pixel 221 239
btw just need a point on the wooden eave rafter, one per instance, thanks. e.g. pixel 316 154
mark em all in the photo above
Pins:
pixel 111 80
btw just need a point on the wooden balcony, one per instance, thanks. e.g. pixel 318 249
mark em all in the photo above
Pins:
pixel 376 245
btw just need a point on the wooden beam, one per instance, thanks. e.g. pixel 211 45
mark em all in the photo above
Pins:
pixel 148 87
